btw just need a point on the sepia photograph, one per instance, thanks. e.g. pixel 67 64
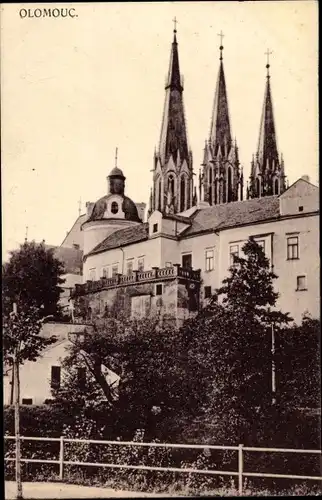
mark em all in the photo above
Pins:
pixel 160 249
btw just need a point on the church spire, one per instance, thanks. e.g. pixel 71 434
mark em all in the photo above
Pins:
pixel 267 172
pixel 220 132
pixel 221 180
pixel 173 136
pixel 173 172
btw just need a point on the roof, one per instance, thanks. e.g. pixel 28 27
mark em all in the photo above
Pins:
pixel 74 235
pixel 72 258
pixel 234 214
pixel 116 172
pixel 122 237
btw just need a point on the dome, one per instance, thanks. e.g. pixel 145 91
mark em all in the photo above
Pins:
pixel 128 207
pixel 116 172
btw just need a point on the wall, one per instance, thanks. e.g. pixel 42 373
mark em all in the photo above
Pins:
pixel 307 227
pixel 35 376
pixel 150 249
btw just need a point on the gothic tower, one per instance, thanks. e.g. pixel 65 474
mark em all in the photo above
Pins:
pixel 172 171
pixel 221 179
pixel 267 176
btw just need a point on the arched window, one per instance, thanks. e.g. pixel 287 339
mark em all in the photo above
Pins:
pixel 114 207
pixel 230 185
pixel 182 193
pixel 258 187
pixel 216 191
pixel 159 195
pixel 210 186
pixel 171 185
pixel 276 190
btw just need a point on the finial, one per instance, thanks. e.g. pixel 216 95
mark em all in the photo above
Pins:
pixel 221 48
pixel 175 24
pixel 268 53
pixel 79 206
pixel 26 234
pixel 116 151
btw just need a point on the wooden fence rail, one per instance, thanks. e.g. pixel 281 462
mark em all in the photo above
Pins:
pixel 240 473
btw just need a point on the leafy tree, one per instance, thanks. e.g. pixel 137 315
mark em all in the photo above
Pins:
pixel 233 336
pixel 298 364
pixel 32 278
pixel 156 390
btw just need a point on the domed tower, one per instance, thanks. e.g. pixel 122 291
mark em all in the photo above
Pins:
pixel 110 213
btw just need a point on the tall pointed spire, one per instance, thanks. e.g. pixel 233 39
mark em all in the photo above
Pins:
pixel 220 133
pixel 173 173
pixel 221 180
pixel 173 136
pixel 267 172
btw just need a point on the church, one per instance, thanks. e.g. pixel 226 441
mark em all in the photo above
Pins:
pixel 167 261
pixel 171 263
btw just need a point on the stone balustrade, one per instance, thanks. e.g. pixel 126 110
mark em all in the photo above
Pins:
pixel 156 273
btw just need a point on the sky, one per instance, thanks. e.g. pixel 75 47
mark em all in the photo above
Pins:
pixel 74 89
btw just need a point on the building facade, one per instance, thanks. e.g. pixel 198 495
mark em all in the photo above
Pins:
pixel 170 264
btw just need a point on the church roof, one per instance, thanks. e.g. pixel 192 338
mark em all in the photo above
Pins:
pixel 220 132
pixel 234 214
pixel 122 237
pixel 72 258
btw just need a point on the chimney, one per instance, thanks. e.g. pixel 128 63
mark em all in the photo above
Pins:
pixel 305 178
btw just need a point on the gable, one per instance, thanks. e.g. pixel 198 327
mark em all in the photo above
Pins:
pixel 300 188
pixel 301 197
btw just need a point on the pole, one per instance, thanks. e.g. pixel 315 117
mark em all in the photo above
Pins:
pixel 273 367
pixel 61 458
pixel 240 468
pixel 17 426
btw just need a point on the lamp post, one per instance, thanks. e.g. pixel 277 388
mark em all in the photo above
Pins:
pixel 273 367
pixel 17 412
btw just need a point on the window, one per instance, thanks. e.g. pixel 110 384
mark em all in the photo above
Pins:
pixel 114 207
pixel 182 193
pixel 27 401
pixel 140 306
pixel 81 378
pixel 292 248
pixel 141 264
pixel 301 283
pixel 105 272
pixel 230 185
pixel 233 252
pixel 207 292
pixel 158 289
pixel 129 267
pixel 261 243
pixel 155 228
pixel 209 260
pixel 92 274
pixel 187 260
pixel 55 377
pixel 115 270
pixel 276 186
pixel 301 208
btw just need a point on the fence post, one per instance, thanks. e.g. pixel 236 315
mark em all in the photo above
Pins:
pixel 61 458
pixel 240 468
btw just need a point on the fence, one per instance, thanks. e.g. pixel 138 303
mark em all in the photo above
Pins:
pixel 240 472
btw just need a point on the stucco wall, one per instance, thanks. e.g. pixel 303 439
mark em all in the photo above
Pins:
pixel 295 302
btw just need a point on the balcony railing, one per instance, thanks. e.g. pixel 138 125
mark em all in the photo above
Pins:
pixel 156 273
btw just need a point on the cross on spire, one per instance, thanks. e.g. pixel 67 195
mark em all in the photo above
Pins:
pixel 79 206
pixel 221 43
pixel 116 151
pixel 26 234
pixel 268 53
pixel 175 24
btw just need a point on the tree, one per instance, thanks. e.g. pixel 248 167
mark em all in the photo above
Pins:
pixel 156 390
pixel 32 278
pixel 233 334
